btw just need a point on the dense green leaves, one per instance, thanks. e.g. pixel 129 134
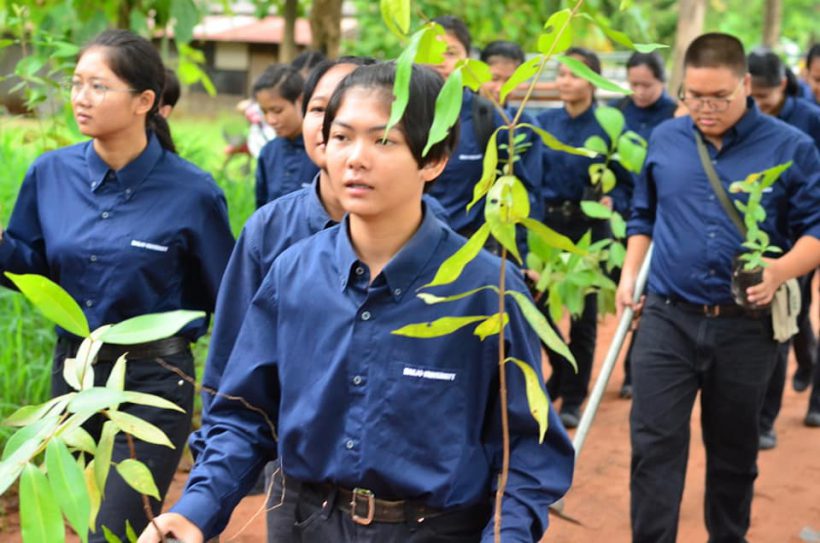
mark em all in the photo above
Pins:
pixel 68 483
pixel 52 301
pixel 396 16
pixel 451 269
pixel 40 518
pixel 536 397
pixel 151 327
pixel 186 16
pixel 138 477
pixel 557 35
pixel 448 107
pixel 438 327
pixel 583 71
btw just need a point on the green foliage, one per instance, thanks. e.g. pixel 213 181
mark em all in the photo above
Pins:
pixel 757 241
pixel 40 518
pixel 67 481
pixel 55 304
pixel 138 476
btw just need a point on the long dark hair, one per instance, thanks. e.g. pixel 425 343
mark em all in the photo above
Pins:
pixel 321 69
pixel 133 59
pixel 767 70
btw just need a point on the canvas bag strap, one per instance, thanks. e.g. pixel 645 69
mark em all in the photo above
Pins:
pixel 717 186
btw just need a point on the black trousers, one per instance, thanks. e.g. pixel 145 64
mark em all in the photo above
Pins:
pixel 302 515
pixel 729 361
pixel 121 502
pixel 564 382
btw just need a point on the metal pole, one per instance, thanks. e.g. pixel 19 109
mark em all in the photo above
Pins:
pixel 607 367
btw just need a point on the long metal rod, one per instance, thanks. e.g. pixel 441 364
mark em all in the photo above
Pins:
pixel 607 367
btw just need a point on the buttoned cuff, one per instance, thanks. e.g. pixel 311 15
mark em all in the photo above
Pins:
pixel 639 228
pixel 202 510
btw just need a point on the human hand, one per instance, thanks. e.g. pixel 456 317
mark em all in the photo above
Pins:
pixel 607 202
pixel 763 292
pixel 172 524
pixel 625 294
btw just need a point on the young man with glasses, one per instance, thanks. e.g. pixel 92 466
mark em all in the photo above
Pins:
pixel 693 337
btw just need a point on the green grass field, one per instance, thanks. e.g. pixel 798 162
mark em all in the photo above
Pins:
pixel 26 338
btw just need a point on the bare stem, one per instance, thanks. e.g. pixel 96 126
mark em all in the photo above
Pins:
pixel 502 386
pixel 146 505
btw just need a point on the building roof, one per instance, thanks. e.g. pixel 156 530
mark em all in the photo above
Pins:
pixel 249 29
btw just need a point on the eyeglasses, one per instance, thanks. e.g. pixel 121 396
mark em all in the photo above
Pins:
pixel 717 105
pixel 94 91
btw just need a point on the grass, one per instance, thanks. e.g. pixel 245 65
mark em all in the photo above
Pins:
pixel 26 338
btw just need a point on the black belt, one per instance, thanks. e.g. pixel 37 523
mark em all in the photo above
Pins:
pixel 150 350
pixel 716 311
pixel 567 209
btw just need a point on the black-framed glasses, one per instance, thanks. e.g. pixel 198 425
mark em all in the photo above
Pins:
pixel 95 91
pixel 715 104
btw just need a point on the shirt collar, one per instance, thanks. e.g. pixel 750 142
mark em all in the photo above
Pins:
pixel 788 107
pixel 584 117
pixel 317 215
pixel 405 266
pixel 132 174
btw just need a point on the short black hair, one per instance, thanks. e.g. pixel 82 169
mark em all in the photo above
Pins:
pixel 282 78
pixel 308 59
pixel 768 70
pixel 505 49
pixel 415 124
pixel 814 53
pixel 171 90
pixel 455 26
pixel 322 68
pixel 587 56
pixel 651 60
pixel 716 50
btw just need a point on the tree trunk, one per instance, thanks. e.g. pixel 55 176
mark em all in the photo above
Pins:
pixel 771 22
pixel 691 14
pixel 288 50
pixel 326 26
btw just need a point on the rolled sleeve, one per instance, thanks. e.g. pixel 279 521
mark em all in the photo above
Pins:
pixel 804 198
pixel 644 202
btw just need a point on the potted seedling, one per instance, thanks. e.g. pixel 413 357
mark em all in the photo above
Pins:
pixel 748 265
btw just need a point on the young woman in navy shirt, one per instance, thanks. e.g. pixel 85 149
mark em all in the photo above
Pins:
pixel 127 227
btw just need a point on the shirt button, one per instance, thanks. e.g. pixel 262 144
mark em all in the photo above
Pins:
pixel 357 380
pixel 128 192
pixel 93 258
pixel 712 272
pixel 711 234
pixel 397 292
pixel 105 214
pixel 359 270
pixel 711 197
pixel 89 303
pixel 366 315
pixel 349 444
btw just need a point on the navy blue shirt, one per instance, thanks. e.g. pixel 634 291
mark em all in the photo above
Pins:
pixel 283 167
pixel 643 120
pixel 151 237
pixel 803 115
pixel 565 175
pixel 357 406
pixel 694 239
pixel 454 187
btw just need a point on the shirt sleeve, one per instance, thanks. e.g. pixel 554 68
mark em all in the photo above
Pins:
pixel 644 202
pixel 261 178
pixel 238 440
pixel 540 474
pixel 23 249
pixel 804 197
pixel 624 188
pixel 242 278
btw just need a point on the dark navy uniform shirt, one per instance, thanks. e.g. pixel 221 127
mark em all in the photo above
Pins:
pixel 643 120
pixel 150 237
pixel 283 167
pixel 454 187
pixel 694 239
pixel 565 175
pixel 356 406
pixel 803 115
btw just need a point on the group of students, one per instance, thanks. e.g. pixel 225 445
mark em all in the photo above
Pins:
pixel 372 436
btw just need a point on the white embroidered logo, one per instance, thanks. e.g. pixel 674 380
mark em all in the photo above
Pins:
pixel 471 157
pixel 428 374
pixel 149 246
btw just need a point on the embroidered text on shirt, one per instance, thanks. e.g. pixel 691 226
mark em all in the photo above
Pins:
pixel 149 246
pixel 429 374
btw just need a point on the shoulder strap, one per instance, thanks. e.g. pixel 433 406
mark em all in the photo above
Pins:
pixel 717 186
pixel 483 126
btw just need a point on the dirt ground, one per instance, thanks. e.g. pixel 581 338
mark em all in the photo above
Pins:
pixel 787 493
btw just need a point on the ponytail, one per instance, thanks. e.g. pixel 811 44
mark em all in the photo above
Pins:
pixel 159 126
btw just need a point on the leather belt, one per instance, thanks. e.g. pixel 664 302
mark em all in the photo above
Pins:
pixel 150 350
pixel 718 310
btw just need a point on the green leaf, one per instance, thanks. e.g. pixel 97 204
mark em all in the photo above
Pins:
pixel 608 180
pixel 597 144
pixel 536 397
pixel 94 496
pixel 611 120
pixel 404 70
pixel 40 518
pixel 116 379
pixel 475 73
pixel 554 143
pixel 139 428
pixel 438 327
pixel 68 483
pixel 31 413
pixel 138 477
pixel 617 253
pixel 110 537
pixel 448 108
pixel 551 237
pixel 631 151
pixel 431 299
pixel 102 460
pixel 500 216
pixel 595 210
pixel 491 326
pixel 431 46
pixel 396 16
pixel 79 439
pixel 539 323
pixel 621 38
pixel 138 22
pixel 557 35
pixel 521 74
pixel 649 47
pixel 52 301
pixel 583 71
pixel 451 269
pixel 146 328
pixel 185 16
pixel 95 399
pixel 130 534
pixel 152 400
pixel 30 65
pixel 488 171
pixel 21 447
pixel 618 225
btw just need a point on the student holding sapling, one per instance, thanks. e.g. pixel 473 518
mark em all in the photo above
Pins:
pixel 127 228
pixel 381 436
pixel 694 337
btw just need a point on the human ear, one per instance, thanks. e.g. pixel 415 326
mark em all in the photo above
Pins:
pixel 144 102
pixel 433 169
